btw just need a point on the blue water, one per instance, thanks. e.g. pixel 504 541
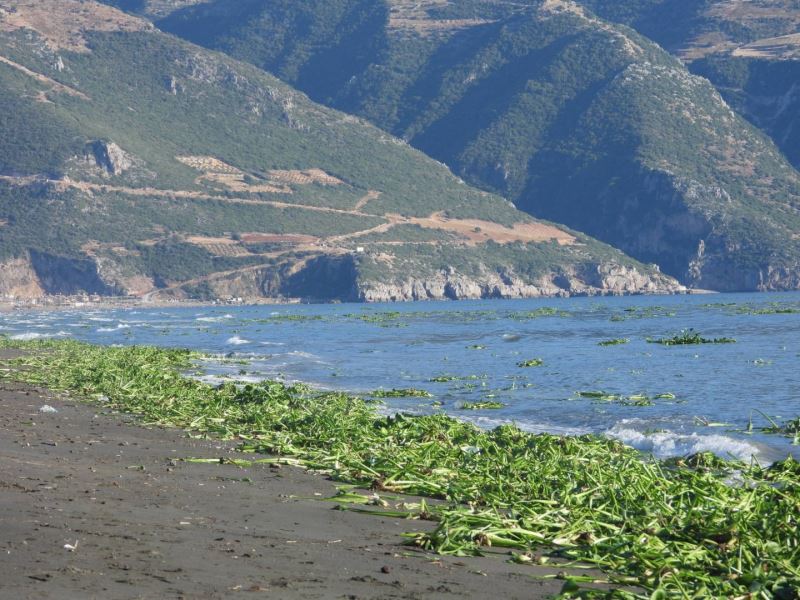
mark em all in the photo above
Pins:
pixel 718 388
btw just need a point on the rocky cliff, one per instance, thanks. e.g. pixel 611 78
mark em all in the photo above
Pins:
pixel 338 278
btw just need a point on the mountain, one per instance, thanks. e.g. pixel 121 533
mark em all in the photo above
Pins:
pixel 132 162
pixel 750 50
pixel 575 118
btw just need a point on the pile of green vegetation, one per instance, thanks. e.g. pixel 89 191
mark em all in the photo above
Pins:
pixel 672 530
pixel 689 337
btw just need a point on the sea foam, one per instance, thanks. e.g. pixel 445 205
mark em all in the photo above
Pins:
pixel 663 444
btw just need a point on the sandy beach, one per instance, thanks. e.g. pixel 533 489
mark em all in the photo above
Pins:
pixel 94 506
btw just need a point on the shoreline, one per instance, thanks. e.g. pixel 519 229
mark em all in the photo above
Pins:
pixel 65 303
pixel 145 524
pixel 536 499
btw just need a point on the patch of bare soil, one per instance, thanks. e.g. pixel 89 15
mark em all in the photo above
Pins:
pixel 219 172
pixel 305 177
pixel 274 238
pixel 63 23
pixel 785 47
pixel 744 11
pixel 219 246
pixel 413 15
pixel 478 231
pixel 366 199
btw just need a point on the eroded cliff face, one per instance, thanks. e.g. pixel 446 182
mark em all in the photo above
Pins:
pixel 37 274
pixel 324 278
pixel 697 233
pixel 68 276
pixel 606 279
pixel 711 269
pixel 19 280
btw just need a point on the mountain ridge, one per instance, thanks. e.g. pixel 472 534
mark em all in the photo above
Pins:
pixel 136 163
pixel 494 91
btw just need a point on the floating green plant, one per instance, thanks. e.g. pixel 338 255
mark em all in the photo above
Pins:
pixel 449 378
pixel 689 337
pixel 774 308
pixel 482 405
pixel 533 362
pixel 790 428
pixel 632 400
pixel 401 393
pixel 598 395
pixel 616 342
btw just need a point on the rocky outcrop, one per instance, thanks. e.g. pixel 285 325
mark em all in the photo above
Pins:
pixel 605 279
pixel 712 269
pixel 110 157
pixel 69 276
pixel 327 278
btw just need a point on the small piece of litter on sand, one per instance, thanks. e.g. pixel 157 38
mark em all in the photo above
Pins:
pixel 71 547
pixel 47 409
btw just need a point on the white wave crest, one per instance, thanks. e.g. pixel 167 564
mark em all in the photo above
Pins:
pixel 663 444
pixel 109 329
pixel 237 341
pixel 214 319
pixel 30 335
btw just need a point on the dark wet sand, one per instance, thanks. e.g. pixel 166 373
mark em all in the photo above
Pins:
pixel 148 526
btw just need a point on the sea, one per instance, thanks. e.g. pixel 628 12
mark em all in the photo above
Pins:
pixel 663 400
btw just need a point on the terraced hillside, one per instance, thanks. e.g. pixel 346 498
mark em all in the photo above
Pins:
pixel 575 118
pixel 135 163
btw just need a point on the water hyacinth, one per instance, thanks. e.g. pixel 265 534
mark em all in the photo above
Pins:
pixel 688 337
pixel 533 362
pixel 401 393
pixel 668 529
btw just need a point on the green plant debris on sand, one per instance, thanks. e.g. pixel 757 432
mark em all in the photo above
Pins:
pixel 401 393
pixel 689 337
pixel 533 362
pixel 668 530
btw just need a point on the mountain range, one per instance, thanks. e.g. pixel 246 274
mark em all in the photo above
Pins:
pixel 135 163
pixel 368 149
pixel 600 115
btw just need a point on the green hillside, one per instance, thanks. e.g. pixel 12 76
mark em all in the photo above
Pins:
pixel 576 119
pixel 749 50
pixel 132 162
